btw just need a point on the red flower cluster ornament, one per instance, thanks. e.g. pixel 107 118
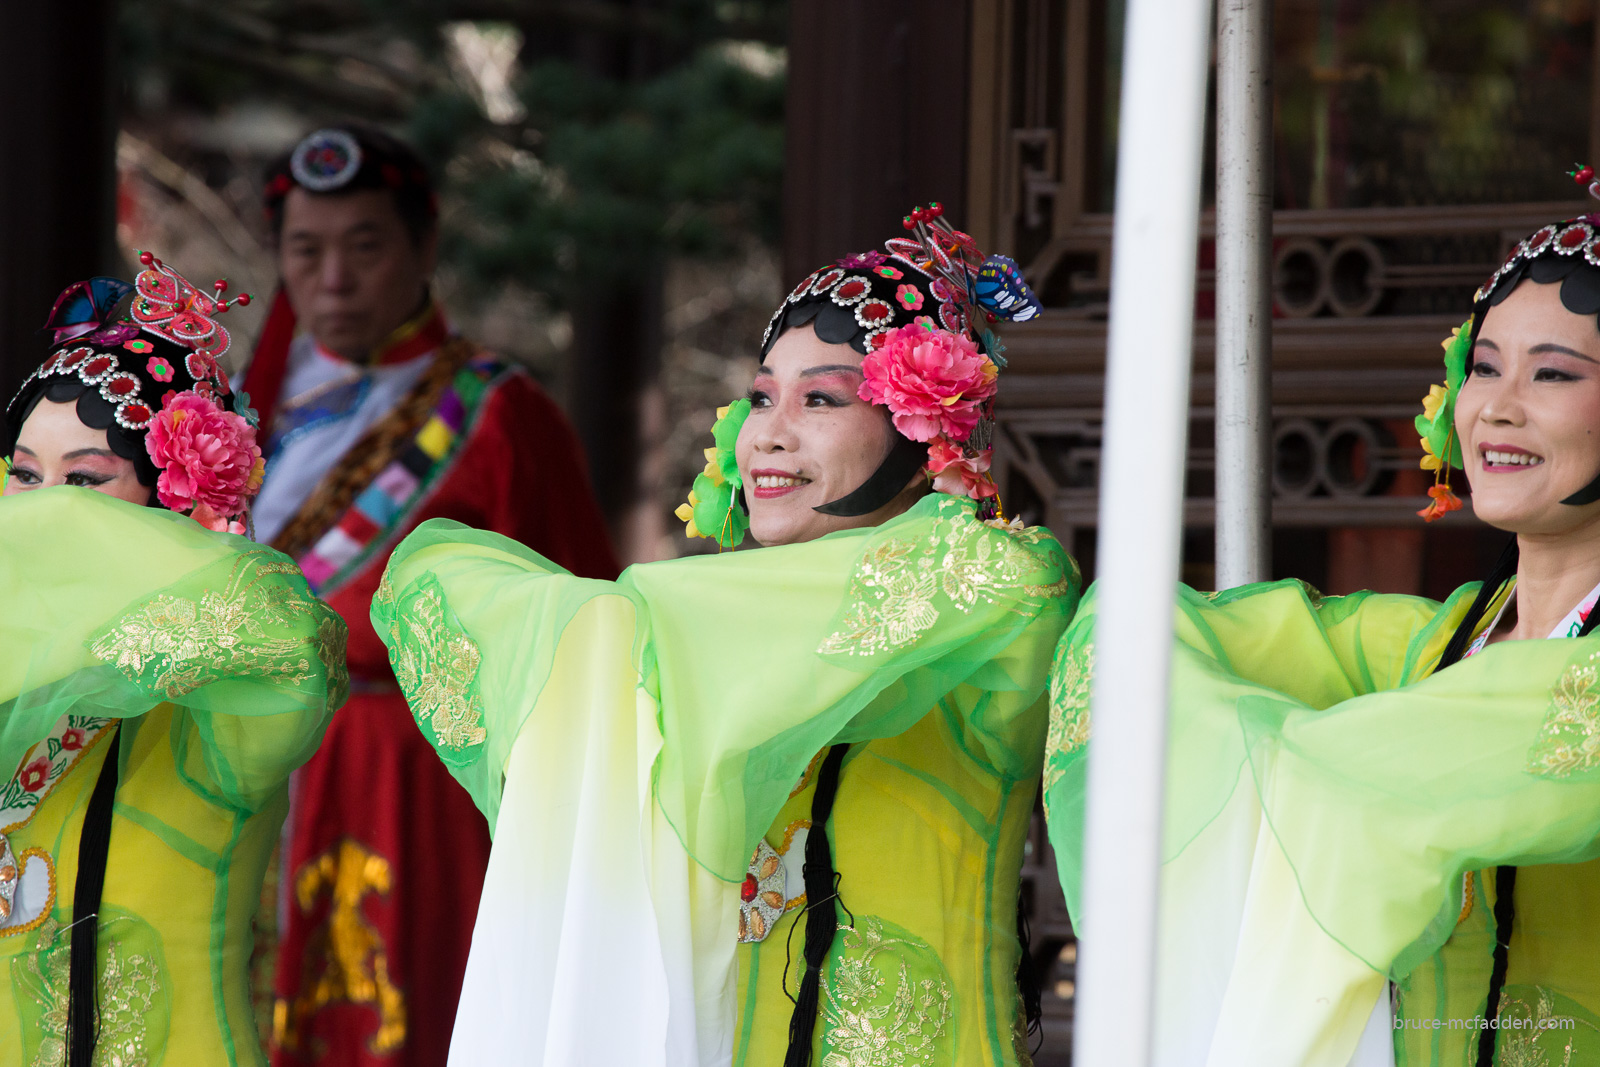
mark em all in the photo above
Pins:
pixel 209 459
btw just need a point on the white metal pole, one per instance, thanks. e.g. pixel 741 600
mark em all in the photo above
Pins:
pixel 1162 121
pixel 1244 292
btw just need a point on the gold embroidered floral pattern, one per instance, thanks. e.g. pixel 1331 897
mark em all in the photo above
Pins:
pixel 383 599
pixel 129 987
pixel 1569 739
pixel 1070 683
pixel 436 664
pixel 866 1024
pixel 1534 1035
pixel 246 626
pixel 901 585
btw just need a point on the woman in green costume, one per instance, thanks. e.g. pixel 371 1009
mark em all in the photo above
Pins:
pixel 1382 812
pixel 766 806
pixel 160 682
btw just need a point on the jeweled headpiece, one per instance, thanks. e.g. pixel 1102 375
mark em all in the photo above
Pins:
pixel 140 361
pixel 921 313
pixel 1567 252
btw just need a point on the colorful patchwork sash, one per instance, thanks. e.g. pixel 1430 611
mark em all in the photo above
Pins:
pixel 404 483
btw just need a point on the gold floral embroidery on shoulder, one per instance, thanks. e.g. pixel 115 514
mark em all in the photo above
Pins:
pixel 436 664
pixel 895 594
pixel 251 625
pixel 1070 684
pixel 866 1023
pixel 1569 739
pixel 384 597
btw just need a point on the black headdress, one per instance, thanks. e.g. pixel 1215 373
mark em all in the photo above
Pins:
pixel 121 352
pixel 936 278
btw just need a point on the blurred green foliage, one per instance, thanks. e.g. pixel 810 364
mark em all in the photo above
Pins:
pixel 686 163
pixel 646 129
pixel 1397 102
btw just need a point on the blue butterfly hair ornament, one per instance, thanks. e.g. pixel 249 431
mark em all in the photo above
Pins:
pixel 1001 290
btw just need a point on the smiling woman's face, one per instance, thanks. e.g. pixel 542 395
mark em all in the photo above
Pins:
pixel 1528 416
pixel 810 440
pixel 56 448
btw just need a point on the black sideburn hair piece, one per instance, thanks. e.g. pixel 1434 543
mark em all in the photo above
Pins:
pixel 904 460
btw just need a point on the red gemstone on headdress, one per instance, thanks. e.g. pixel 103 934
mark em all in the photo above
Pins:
pixel 50 364
pixel 829 279
pixel 75 357
pixel 747 892
pixel 1540 239
pixel 146 258
pixel 1574 237
pixel 135 414
pixel 850 289
pixel 1584 176
pixel 873 312
pixel 123 385
pixel 909 223
pixel 96 367
pixel 244 300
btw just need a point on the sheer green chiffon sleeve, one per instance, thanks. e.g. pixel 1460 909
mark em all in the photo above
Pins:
pixel 113 609
pixel 751 661
pixel 1277 637
pixel 1362 757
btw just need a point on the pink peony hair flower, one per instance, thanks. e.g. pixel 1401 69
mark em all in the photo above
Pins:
pixel 208 457
pixel 959 474
pixel 932 382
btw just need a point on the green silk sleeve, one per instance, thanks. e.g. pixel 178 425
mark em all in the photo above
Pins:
pixel 112 609
pixel 1364 758
pixel 749 662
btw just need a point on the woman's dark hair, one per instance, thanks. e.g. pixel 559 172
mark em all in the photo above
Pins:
pixel 386 163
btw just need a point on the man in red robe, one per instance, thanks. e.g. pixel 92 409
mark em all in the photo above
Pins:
pixel 377 417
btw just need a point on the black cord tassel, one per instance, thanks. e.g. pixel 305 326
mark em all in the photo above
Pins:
pixel 822 916
pixel 1504 568
pixel 94 842
pixel 1505 886
pixel 1028 975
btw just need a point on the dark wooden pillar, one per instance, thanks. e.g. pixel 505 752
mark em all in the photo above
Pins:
pixel 57 169
pixel 876 122
pixel 616 314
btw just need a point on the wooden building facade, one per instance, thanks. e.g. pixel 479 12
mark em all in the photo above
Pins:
pixel 1414 143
